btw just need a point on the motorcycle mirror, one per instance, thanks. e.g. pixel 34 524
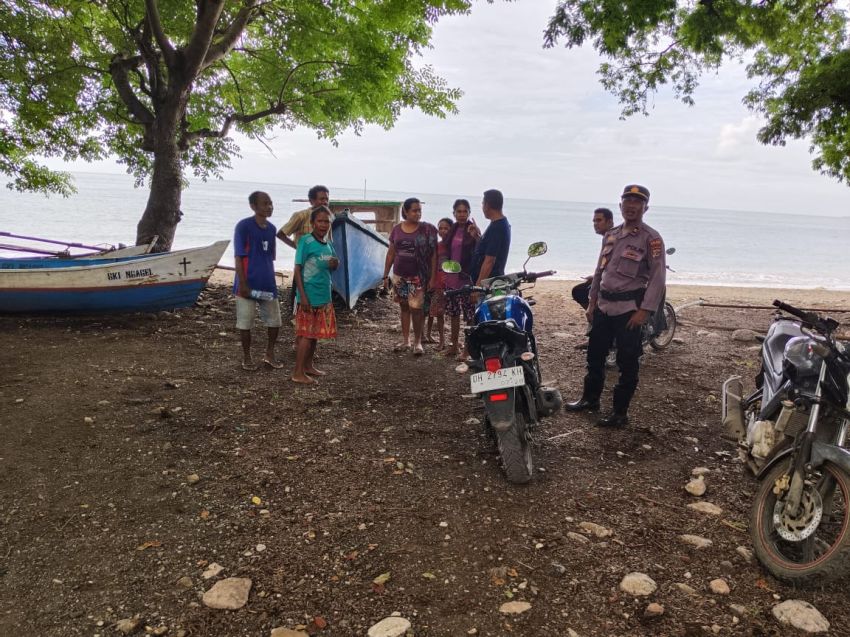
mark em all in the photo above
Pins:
pixel 451 267
pixel 671 251
pixel 537 249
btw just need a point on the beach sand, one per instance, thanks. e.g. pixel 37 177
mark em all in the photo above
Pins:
pixel 133 448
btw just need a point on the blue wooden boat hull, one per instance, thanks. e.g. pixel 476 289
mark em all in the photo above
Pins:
pixel 362 253
pixel 149 298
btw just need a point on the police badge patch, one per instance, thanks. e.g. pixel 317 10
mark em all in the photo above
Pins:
pixel 655 246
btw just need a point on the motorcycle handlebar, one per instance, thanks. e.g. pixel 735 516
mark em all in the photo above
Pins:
pixel 808 317
pixel 533 276
pixel 529 277
pixel 822 325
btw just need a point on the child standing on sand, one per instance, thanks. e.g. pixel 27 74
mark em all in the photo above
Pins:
pixel 438 299
pixel 315 318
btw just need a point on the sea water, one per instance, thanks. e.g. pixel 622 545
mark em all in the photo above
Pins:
pixel 713 247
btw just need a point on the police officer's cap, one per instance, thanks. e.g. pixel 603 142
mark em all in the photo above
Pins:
pixel 634 190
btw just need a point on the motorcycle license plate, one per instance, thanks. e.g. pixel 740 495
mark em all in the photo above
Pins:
pixel 505 377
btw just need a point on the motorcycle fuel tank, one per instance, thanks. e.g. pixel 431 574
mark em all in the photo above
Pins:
pixel 502 308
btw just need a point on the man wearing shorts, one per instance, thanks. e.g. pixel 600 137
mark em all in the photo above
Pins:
pixel 254 284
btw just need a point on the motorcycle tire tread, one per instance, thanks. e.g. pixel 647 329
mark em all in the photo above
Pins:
pixel 835 567
pixel 513 450
pixel 669 333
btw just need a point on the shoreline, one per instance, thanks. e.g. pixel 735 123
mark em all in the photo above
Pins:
pixel 676 292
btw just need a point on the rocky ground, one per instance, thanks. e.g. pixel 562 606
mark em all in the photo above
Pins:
pixel 148 484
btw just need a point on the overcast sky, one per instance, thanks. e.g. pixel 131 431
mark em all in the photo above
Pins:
pixel 536 123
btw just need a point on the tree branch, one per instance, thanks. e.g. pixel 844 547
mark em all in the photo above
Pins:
pixel 189 138
pixel 307 63
pixel 118 69
pixel 228 40
pixel 209 11
pixel 168 52
pixel 236 84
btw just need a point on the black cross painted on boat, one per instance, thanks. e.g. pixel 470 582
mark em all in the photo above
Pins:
pixel 184 263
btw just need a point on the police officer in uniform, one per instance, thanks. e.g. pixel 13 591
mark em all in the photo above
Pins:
pixel 628 286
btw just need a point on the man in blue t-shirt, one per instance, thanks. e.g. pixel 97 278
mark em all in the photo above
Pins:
pixel 255 285
pixel 491 253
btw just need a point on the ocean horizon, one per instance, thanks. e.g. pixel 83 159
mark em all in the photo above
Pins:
pixel 713 247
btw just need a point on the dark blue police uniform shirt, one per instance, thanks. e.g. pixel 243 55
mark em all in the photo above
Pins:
pixel 496 242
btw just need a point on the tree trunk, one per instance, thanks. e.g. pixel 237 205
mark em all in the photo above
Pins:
pixel 162 213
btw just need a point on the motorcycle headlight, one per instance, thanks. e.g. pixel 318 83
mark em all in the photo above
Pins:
pixel 801 353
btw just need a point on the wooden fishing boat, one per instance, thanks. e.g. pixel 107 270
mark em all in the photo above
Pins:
pixel 362 253
pixel 135 283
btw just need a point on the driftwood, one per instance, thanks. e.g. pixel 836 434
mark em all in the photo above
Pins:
pixel 767 307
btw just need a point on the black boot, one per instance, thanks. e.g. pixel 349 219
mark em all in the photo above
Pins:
pixel 583 404
pixel 614 419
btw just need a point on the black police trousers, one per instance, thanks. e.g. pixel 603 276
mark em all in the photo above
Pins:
pixel 605 331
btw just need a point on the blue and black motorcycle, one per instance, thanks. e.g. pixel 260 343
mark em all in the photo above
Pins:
pixel 505 364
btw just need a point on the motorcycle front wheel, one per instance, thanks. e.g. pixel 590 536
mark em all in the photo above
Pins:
pixel 663 338
pixel 812 545
pixel 515 450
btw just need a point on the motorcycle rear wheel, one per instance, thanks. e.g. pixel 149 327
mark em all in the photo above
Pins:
pixel 515 450
pixel 814 549
pixel 665 337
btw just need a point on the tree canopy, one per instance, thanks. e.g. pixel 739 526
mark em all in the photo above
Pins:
pixel 162 84
pixel 795 51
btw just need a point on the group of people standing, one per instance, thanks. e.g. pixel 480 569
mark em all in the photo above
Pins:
pixel 626 288
pixel 415 256
pixel 417 250
pixel 255 286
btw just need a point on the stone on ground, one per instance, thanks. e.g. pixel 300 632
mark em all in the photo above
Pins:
pixel 595 529
pixel 700 471
pixel 745 553
pixel 739 610
pixel 129 625
pixel 638 584
pixel 228 594
pixel 389 627
pixel 578 537
pixel 653 610
pixel 185 582
pixel 696 486
pixel 719 586
pixel 705 507
pixel 696 540
pixel 514 608
pixel 212 570
pixel 686 589
pixel 800 615
pixel 288 632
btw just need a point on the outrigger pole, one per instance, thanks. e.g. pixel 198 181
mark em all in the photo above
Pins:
pixel 68 244
pixel 4 246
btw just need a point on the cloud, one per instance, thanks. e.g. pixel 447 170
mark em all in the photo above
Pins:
pixel 735 139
